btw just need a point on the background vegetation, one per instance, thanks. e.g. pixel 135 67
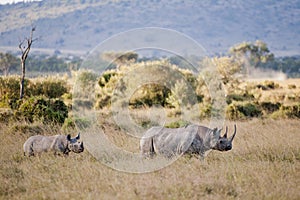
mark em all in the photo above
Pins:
pixel 182 92
pixel 264 162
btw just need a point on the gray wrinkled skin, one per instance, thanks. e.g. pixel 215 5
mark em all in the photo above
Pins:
pixel 59 144
pixel 192 139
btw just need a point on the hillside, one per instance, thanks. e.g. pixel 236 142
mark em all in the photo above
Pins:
pixel 217 25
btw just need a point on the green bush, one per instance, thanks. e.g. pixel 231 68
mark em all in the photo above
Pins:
pixel 49 88
pixel 105 78
pixel 239 97
pixel 292 111
pixel 287 111
pixel 46 111
pixel 150 94
pixel 86 79
pixel 237 111
pixel 177 124
pixel 103 101
pixel 68 124
pixel 72 122
pixel 205 110
pixel 182 95
pixel 6 116
pixel 10 90
pixel 292 86
pixel 269 107
pixel 116 82
pixel 268 85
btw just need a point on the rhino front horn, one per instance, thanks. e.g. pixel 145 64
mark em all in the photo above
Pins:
pixel 233 133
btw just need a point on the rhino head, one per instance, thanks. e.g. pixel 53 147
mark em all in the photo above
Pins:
pixel 224 143
pixel 74 144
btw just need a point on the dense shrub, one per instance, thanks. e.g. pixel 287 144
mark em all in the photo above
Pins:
pixel 150 94
pixel 6 116
pixel 103 101
pixel 10 89
pixel 39 109
pixel 177 124
pixel 269 107
pixel 268 85
pixel 205 110
pixel 239 97
pixel 243 110
pixel 72 122
pixel 118 82
pixel 105 78
pixel 182 95
pixel 85 85
pixel 292 86
pixel 49 88
pixel 86 78
pixel 287 111
pixel 292 111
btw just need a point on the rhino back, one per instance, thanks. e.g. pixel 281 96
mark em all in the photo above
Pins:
pixel 60 143
pixel 174 141
pixel 152 132
pixel 207 136
pixel 40 143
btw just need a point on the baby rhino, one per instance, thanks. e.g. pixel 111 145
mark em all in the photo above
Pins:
pixel 56 143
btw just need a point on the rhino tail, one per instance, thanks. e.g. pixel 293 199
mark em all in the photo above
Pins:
pixel 152 148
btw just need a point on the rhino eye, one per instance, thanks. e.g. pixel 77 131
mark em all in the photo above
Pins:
pixel 221 142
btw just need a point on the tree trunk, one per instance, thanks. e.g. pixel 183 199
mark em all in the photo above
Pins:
pixel 22 79
pixel 25 48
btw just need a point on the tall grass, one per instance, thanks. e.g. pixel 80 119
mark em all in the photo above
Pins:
pixel 263 164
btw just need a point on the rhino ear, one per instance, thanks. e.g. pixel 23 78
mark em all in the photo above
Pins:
pixel 216 131
pixel 78 136
pixel 69 137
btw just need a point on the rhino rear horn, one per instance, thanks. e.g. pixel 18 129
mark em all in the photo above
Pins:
pixel 225 135
pixel 78 136
pixel 69 137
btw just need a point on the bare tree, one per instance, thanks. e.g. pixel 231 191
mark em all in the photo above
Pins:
pixel 24 46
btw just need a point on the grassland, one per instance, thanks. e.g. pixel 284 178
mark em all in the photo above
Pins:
pixel 264 164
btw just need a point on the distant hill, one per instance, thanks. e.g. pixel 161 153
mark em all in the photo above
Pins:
pixel 79 25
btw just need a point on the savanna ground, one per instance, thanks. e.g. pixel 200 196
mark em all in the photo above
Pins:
pixel 263 164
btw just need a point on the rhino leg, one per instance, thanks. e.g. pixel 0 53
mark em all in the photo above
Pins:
pixel 147 149
pixel 28 149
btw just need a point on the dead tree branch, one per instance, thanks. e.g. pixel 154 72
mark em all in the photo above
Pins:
pixel 24 46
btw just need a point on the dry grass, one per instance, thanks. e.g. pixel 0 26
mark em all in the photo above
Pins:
pixel 264 164
pixel 288 91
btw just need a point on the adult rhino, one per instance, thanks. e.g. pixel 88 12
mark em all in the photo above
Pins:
pixel 56 143
pixel 191 139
